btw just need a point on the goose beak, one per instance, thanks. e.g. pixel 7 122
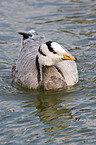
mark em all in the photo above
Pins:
pixel 68 57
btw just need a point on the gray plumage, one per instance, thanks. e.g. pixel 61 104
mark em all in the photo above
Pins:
pixel 25 72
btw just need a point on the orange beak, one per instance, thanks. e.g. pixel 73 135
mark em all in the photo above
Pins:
pixel 68 57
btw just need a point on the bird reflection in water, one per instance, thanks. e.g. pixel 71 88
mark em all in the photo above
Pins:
pixel 54 111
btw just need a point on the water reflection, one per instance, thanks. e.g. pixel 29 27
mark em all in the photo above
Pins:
pixel 56 117
pixel 53 110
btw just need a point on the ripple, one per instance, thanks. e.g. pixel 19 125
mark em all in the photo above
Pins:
pixel 49 117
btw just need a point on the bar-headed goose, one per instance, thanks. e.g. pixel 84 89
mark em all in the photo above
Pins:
pixel 44 64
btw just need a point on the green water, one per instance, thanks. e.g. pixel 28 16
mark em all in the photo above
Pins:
pixel 52 117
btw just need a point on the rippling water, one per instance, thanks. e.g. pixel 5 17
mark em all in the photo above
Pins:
pixel 56 117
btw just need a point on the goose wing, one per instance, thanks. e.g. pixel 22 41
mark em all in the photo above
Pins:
pixel 26 71
pixel 69 71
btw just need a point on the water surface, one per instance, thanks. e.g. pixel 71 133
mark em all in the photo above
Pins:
pixel 55 117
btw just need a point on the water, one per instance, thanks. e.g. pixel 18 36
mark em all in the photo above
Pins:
pixel 55 117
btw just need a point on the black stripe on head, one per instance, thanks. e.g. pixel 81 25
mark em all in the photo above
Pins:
pixel 40 51
pixel 48 43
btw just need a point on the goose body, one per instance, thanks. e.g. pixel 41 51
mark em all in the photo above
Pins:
pixel 40 64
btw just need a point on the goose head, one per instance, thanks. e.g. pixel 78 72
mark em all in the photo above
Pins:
pixel 50 53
